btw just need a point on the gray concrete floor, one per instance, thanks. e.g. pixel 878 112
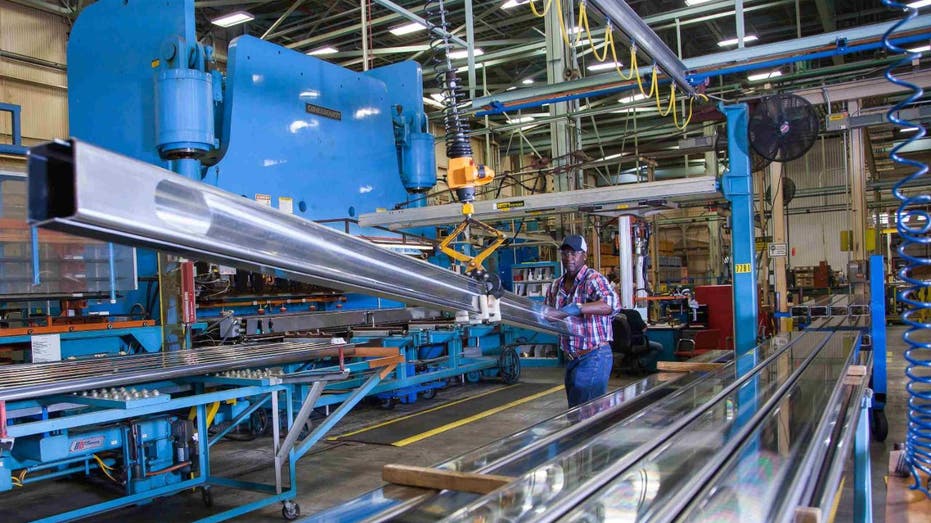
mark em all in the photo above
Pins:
pixel 335 472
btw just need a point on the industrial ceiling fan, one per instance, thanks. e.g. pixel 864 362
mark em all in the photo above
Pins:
pixel 783 127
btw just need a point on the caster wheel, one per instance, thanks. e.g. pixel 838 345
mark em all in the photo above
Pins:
pixel 509 366
pixel 290 510
pixel 473 377
pixel 428 394
pixel 206 495
pixel 879 425
pixel 388 404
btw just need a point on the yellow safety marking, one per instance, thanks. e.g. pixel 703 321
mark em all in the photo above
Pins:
pixel 439 430
pixel 837 496
pixel 418 413
pixel 743 268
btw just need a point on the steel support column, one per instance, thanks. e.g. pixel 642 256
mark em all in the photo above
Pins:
pixel 858 175
pixel 779 236
pixel 737 186
pixel 626 263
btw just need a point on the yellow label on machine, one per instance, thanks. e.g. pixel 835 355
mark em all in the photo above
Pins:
pixel 743 268
pixel 506 206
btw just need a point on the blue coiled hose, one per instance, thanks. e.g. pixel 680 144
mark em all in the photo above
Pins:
pixel 913 223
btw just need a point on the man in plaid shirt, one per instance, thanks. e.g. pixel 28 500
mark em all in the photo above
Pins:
pixel 585 298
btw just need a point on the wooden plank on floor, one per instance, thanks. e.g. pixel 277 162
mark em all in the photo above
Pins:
pixel 442 479
pixel 687 366
pixel 904 505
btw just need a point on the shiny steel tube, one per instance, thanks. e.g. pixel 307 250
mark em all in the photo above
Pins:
pixel 44 379
pixel 626 19
pixel 78 188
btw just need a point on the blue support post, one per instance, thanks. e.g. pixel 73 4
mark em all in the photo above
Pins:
pixel 737 186
pixel 863 500
pixel 878 329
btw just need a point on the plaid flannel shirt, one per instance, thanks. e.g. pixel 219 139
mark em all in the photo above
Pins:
pixel 590 330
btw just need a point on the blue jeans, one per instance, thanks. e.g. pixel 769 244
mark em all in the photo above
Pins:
pixel 587 377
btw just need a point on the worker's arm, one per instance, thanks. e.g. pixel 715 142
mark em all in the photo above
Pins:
pixel 602 300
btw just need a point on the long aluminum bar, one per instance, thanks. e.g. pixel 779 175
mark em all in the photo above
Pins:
pixel 44 379
pixel 626 19
pixel 588 453
pixel 530 447
pixel 72 186
pixel 618 450
pixel 628 198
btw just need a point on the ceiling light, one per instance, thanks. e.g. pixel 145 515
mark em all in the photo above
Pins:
pixel 232 19
pixel 919 4
pixel 463 53
pixel 695 2
pixel 922 49
pixel 605 65
pixel 323 50
pixel 908 129
pixel 764 76
pixel 511 88
pixel 513 3
pixel 634 98
pixel 402 30
pixel 522 119
pixel 527 81
pixel 734 41
pixel 609 157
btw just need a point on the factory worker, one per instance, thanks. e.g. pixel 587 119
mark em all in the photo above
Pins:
pixel 585 298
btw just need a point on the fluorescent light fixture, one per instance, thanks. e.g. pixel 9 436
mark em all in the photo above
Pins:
pixel 510 4
pixel 908 129
pixel 527 81
pixel 610 157
pixel 634 98
pixel 764 76
pixel 464 53
pixel 580 43
pixel 919 4
pixel 402 30
pixel 733 41
pixel 695 2
pixel 922 49
pixel 511 88
pixel 323 50
pixel 522 119
pixel 433 103
pixel 605 65
pixel 232 19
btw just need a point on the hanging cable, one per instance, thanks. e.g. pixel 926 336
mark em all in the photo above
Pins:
pixel 607 46
pixel 913 223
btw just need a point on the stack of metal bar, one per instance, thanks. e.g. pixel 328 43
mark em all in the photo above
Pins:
pixel 714 446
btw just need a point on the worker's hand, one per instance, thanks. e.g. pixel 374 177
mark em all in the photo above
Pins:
pixel 573 309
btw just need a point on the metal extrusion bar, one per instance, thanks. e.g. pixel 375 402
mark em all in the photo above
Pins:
pixel 44 379
pixel 627 198
pixel 626 19
pixel 71 188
